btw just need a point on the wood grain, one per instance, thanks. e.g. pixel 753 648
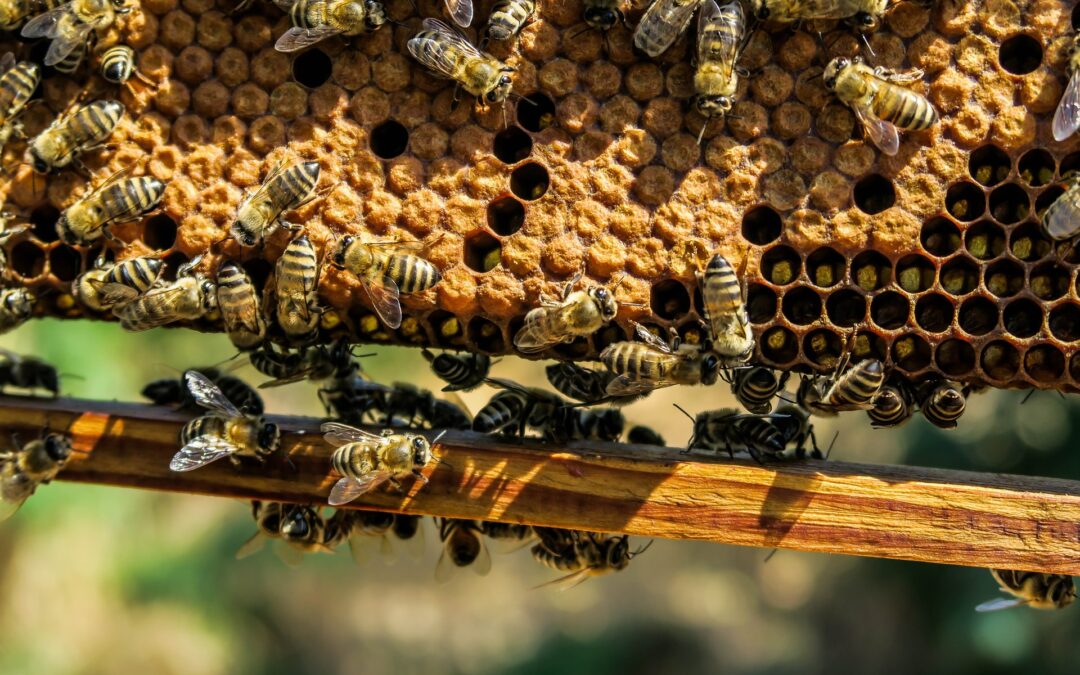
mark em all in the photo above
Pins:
pixel 908 513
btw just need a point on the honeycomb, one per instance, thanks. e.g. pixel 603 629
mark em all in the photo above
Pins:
pixel 933 259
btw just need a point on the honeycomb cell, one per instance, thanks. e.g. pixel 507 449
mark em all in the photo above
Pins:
pixel 761 225
pixel 486 335
pixel 845 308
pixel 1044 363
pixel 989 165
pixel 940 236
pixel 1064 322
pixel 1020 54
pixel 823 347
pixel 1000 360
pixel 985 240
pixel 955 358
pixel 258 270
pixel 781 265
pixel 536 112
pixel 1074 19
pixel 312 68
pixel 779 345
pixel 977 316
pixel 512 145
pixel 483 252
pixel 505 215
pixel 869 346
pixel 1049 281
pixel 889 310
pixel 911 353
pixel 1036 167
pixel 825 267
pixel 43 223
pixel 529 181
pixel 1005 278
pixel 874 193
pixel 1028 243
pixel 65 263
pixel 934 313
pixel 760 303
pixel 160 233
pixel 171 263
pixel 389 139
pixel 1022 318
pixel 1046 198
pixel 1009 204
pixel 669 299
pixel 965 201
pixel 870 271
pixel 27 259
pixel 801 306
pixel 1070 164
pixel 447 329
pixel 959 276
pixel 915 273
pixel 608 335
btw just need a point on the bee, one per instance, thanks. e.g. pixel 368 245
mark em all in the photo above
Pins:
pixel 118 65
pixel 136 274
pixel 16 306
pixel 569 423
pixel 516 407
pixel 239 306
pixel 386 269
pixel 6 233
pixel 70 25
pixel 721 35
pixel 461 372
pixel 794 426
pixel 73 133
pixel 723 429
pixel 315 20
pixel 70 63
pixel 461 11
pixel 463 546
pixel 295 290
pixel 1067 115
pixel 1034 589
pixel 511 532
pixel 642 435
pixel 725 312
pixel 27 372
pixel 943 404
pixel 863 15
pixel 440 414
pixel 578 382
pixel 755 387
pixel 317 362
pixel 643 366
pixel 286 187
pixel 853 389
pixel 892 407
pixel 603 14
pixel 225 432
pixel 22 470
pixel 14 12
pixel 582 554
pixel 301 527
pixel 117 200
pixel 449 54
pixel 187 298
pixel 1061 221
pixel 365 460
pixel 578 314
pixel 878 101
pixel 173 391
pixel 662 24
pixel 507 19
pixel 18 81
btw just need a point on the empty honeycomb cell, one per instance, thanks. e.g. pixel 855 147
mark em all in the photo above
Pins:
pixel 65 263
pixel 934 312
pixel 801 306
pixel 889 310
pixel 258 270
pixel 965 201
pixel 483 252
pixel 1009 204
pixel 669 299
pixel 955 358
pixel 869 346
pixel 1020 54
pixel 760 303
pixel 1044 363
pixel 511 145
pixel 1064 322
pixel 761 225
pixel 870 271
pixel 43 223
pixel 825 267
pixel 529 181
pixel 1005 278
pixel 874 193
pixel 312 68
pixel 911 353
pixel 536 112
pixel 1028 243
pixel 940 236
pixel 989 165
pixel 985 240
pixel 1049 281
pixel 977 316
pixel 845 308
pixel 171 263
pixel 915 273
pixel 486 335
pixel 1074 18
pixel 27 259
pixel 160 233
pixel 779 345
pixel 1000 360
pixel 781 265
pixel 959 275
pixel 389 139
pixel 1022 318
pixel 823 348
pixel 505 215
pixel 1036 167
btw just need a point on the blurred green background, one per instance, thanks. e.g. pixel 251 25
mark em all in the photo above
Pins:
pixel 100 580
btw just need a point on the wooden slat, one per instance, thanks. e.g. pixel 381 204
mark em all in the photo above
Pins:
pixel 900 512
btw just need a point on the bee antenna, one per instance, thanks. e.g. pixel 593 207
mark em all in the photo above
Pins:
pixel 585 29
pixel 701 134
pixel 769 557
pixel 642 549
pixel 866 42
pixel 441 434
pixel 1027 396
pixel 683 411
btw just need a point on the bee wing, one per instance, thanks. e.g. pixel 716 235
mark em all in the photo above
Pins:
pixel 1067 115
pixel 7 62
pixel 348 489
pixel 677 14
pixel 567 582
pixel 126 314
pixel 728 51
pixel 444 60
pixel 531 339
pixel 882 133
pixel 445 568
pixel 482 564
pixel 8 509
pixel 646 336
pixel 297 38
pixel 44 25
pixel 67 42
pixel 200 452
pixel 385 301
pixel 360 549
pixel 289 554
pixel 251 546
pixel 999 604
pixel 113 177
pixel 295 377
pixel 399 246
pixel 115 294
pixel 461 11
pixel 626 386
pixel 413 546
pixel 207 394
pixel 338 434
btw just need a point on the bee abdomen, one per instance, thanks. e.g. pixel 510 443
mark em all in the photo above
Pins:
pixel 129 199
pixel 137 273
pixel 307 14
pixel 944 406
pixel 561 563
pixel 70 63
pixel 503 409
pixel 94 122
pixel 632 359
pixel 296 183
pixel 857 386
pixel 18 85
pixel 508 17
pixel 755 388
pixel 412 274
pixel 207 425
pixel 117 64
pixel 907 109
pixel 890 408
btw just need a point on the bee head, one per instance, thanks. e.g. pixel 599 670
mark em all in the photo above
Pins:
pixel 1062 591
pixel 606 301
pixel 833 70
pixel 710 368
pixel 602 18
pixel 375 14
pixel 338 258
pixel 617 552
pixel 712 106
pixel 421 451
pixel 502 87
pixel 297 524
pixel 57 447
pixel 948 399
pixel 269 438
pixel 39 165
pixel 865 22
pixel 209 295
pixel 758 9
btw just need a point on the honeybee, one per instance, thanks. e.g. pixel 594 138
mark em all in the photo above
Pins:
pixel 117 200
pixel 863 15
pixel 1034 589
pixel 721 34
pixel 582 554
pixel 892 407
pixel 73 133
pixel 461 11
pixel 1061 221
pixel 118 65
pixel 239 306
pixel 755 387
pixel 602 14
pixel 14 12
pixel 27 372
pixel 386 269
pixel 943 404
pixel 18 81
pixel 516 407
pixel 578 314
pixel 295 290
pixel 365 460
pixel 70 63
pixel 317 362
pixel 137 274
pixel 586 384
pixel 315 20
pixel 16 306
pixel 1067 115
pixel 853 389
pixel 877 100
pixel 461 372
pixel 569 423
pixel 69 26
pixel 173 391
pixel 463 546
pixel 187 298
pixel 725 312
pixel 286 187
pixel 300 527
pixel 642 435
pixel 794 425
pixel 23 469
pixel 640 367
pixel 726 428
pixel 662 24
pixel 507 19
pixel 450 54
pixel 225 432
pixel 507 532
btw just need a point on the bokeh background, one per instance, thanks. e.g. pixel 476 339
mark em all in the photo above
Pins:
pixel 102 580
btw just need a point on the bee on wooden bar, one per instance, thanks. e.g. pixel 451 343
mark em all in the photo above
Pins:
pixel 173 391
pixel 892 407
pixel 640 367
pixel 316 20
pixel 138 274
pixel 449 54
pixel 295 290
pixel 1061 220
pixel 725 312
pixel 23 469
pixel 365 460
pixel 238 303
pixel 879 101
pixel 187 298
pixel 516 408
pixel 582 554
pixel 507 19
pixel 18 81
pixel 27 372
pixel 225 432
pixel 461 372
pixel 285 188
pixel 301 528
pixel 16 306
pixel 463 546
pixel 73 133
pixel 71 25
pixel 942 404
pixel 578 314
pixel 117 200
pixel 728 428
pixel 853 389
pixel 862 15
pixel 662 24
pixel 794 426
pixel 1031 589
pixel 1067 115
pixel 461 11
pixel 642 435
pixel 755 387
pixel 721 35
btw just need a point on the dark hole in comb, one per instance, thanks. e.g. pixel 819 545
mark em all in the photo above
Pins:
pixel 529 181
pixel 955 357
pixel 608 335
pixel 1028 242
pixel 1044 363
pixel 889 310
pixel 312 68
pixel 669 299
pixel 977 316
pixel 65 263
pixel 781 265
pixel 1000 360
pixel 823 347
pixel 1009 204
pixel 846 308
pixel 985 240
pixel 959 276
pixel 761 225
pixel 536 112
pixel 447 328
pixel 43 221
pixel 173 261
pixel 1022 318
pixel 483 252
pixel 989 165
pixel 965 201
pixel 486 335
pixel 1065 322
pixel 259 272
pixel 801 306
pixel 1036 167
pixel 389 139
pixel 512 145
pixel 1049 281
pixel 1005 278
pixel 874 193
pixel 1020 54
pixel 505 215
pixel 760 303
pixel 911 353
pixel 940 236
pixel 934 312
pixel 160 232
pixel 27 259
pixel 779 345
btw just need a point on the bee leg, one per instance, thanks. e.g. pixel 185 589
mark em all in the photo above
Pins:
pixel 420 477
pixel 397 485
